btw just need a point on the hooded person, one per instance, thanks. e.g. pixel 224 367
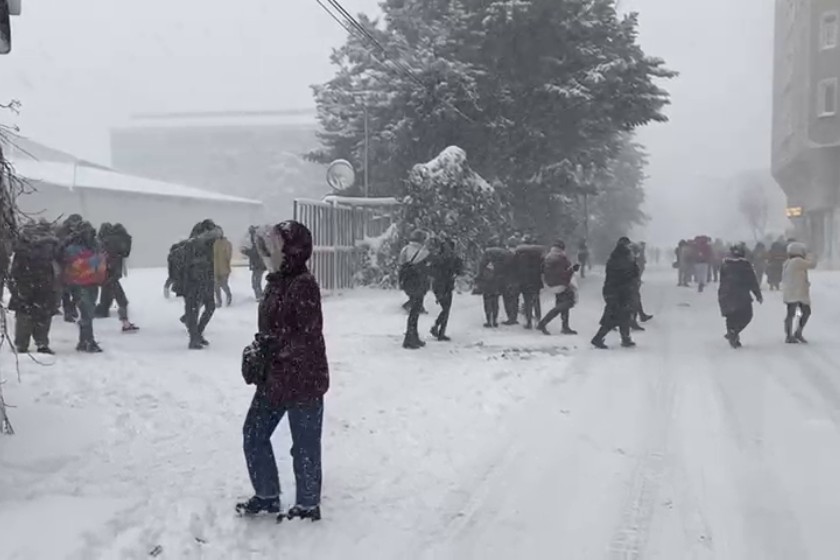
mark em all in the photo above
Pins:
pixel 558 272
pixel 65 231
pixel 622 275
pixel 413 276
pixel 796 290
pixel 491 279
pixel 738 285
pixel 32 284
pixel 287 362
pixel 528 263
pixel 222 257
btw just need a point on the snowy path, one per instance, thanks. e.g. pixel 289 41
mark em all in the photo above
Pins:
pixel 504 443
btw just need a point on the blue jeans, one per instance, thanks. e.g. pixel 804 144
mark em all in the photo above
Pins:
pixel 85 296
pixel 305 420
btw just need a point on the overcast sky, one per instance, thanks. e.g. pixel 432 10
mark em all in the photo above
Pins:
pixel 79 67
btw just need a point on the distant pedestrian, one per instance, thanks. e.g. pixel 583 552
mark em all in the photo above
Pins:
pixel 511 289
pixel 558 273
pixel 738 285
pixel 255 262
pixel 445 266
pixel 528 262
pixel 222 256
pixel 85 270
pixel 584 258
pixel 491 280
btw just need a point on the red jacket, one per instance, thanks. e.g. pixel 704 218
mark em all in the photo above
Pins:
pixel 557 268
pixel 703 250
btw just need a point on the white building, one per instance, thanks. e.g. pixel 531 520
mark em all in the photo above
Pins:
pixel 156 213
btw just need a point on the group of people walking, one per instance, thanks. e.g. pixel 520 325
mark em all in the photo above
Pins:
pixel 64 268
pixel 512 276
pixel 740 282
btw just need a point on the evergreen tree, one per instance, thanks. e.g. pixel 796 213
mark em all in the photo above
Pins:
pixel 534 90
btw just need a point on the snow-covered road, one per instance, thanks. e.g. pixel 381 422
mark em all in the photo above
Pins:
pixel 500 444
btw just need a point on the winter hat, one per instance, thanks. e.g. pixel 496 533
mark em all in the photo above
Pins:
pixel 418 236
pixel 797 249
pixel 560 244
pixel 624 241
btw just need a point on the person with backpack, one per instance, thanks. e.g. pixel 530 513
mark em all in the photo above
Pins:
pixel 287 363
pixel 222 256
pixel 445 266
pixel 85 269
pixel 738 285
pixel 32 282
pixel 65 232
pixel 491 280
pixel 558 272
pixel 116 242
pixel 413 277
pixel 255 262
pixel 191 271
pixel 797 290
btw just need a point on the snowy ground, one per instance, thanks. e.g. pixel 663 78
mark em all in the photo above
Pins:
pixel 501 444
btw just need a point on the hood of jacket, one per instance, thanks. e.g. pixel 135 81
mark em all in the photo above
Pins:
pixel 288 248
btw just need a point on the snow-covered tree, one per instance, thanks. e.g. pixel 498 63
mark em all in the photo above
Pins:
pixel 446 197
pixel 533 90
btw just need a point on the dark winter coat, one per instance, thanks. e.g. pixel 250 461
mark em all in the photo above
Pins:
pixel 738 284
pixel 199 272
pixel 493 271
pixel 557 268
pixel 255 262
pixel 32 280
pixel 776 258
pixel 620 285
pixel 528 260
pixel 291 324
pixel 444 268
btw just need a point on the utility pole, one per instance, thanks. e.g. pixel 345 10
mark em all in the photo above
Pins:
pixel 367 153
pixel 586 216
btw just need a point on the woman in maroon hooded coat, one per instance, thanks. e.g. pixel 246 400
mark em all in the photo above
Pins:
pixel 288 364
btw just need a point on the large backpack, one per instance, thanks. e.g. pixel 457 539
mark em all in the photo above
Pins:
pixel 411 276
pixel 177 260
pixel 122 241
pixel 85 266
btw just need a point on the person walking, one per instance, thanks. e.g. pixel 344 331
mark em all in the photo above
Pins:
pixel 413 276
pixel 255 262
pixel 510 293
pixel 85 269
pixel 529 262
pixel 445 267
pixel 116 242
pixel 583 258
pixel 491 279
pixel 32 285
pixel 558 272
pixel 797 290
pixel 775 260
pixel 760 258
pixel 287 363
pixel 738 285
pixel 702 260
pixel 622 273
pixel 222 256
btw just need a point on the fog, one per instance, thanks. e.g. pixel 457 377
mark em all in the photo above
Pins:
pixel 81 67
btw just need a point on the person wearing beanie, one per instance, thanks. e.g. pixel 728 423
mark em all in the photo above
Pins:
pixel 796 290
pixel 738 285
pixel 413 277
pixel 558 272
pixel 287 363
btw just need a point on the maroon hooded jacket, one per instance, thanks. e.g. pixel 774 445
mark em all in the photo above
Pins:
pixel 290 319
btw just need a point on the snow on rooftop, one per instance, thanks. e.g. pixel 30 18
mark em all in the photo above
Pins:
pixel 85 177
pixel 233 119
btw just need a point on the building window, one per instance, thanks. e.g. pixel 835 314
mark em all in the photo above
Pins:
pixel 827 98
pixel 829 26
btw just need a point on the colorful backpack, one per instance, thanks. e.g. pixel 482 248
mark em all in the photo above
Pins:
pixel 84 266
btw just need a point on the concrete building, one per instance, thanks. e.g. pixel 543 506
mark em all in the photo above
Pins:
pixel 251 154
pixel 156 213
pixel 806 119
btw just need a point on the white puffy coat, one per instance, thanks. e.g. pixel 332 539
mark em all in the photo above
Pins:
pixel 796 287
